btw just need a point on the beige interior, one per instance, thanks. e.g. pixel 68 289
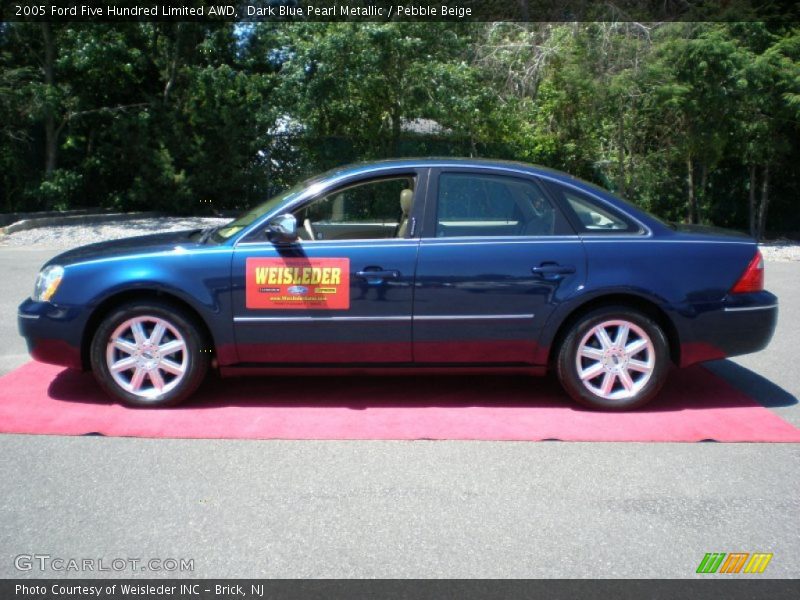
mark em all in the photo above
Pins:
pixel 406 202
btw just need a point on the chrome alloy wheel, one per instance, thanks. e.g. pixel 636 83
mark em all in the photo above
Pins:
pixel 147 356
pixel 615 359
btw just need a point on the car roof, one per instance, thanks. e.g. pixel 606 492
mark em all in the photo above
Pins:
pixel 447 161
pixel 487 163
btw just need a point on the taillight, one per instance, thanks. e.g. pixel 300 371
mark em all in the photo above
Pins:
pixel 752 280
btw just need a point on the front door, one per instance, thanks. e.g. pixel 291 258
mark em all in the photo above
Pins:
pixel 340 294
pixel 495 258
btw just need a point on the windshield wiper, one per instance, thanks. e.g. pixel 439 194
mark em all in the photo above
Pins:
pixel 207 233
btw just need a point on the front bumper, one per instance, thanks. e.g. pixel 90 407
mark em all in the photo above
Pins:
pixel 740 325
pixel 52 332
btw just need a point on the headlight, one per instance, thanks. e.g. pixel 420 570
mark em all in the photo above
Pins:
pixel 47 283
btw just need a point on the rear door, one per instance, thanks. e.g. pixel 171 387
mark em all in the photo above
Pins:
pixel 496 257
pixel 343 292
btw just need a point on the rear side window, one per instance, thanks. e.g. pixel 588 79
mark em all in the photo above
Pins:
pixel 592 216
pixel 490 205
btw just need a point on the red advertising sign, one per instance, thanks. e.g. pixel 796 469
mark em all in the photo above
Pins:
pixel 298 283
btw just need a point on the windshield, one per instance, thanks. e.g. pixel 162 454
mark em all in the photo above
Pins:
pixel 252 215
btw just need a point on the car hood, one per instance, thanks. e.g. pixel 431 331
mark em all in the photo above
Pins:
pixel 132 246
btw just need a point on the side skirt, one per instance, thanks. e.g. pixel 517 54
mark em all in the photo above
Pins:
pixel 244 369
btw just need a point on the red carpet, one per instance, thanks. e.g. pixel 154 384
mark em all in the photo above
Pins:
pixel 694 406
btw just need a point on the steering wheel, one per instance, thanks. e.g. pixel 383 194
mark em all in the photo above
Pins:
pixel 309 229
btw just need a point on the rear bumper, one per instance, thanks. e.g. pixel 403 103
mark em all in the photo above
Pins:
pixel 52 333
pixel 739 325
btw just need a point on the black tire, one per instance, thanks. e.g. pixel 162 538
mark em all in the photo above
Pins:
pixel 643 387
pixel 181 328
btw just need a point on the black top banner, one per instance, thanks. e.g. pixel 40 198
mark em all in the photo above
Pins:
pixel 399 10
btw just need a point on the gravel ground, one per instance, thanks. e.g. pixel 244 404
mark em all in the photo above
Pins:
pixel 783 251
pixel 70 236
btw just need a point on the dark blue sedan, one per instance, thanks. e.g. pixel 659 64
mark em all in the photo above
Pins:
pixel 409 264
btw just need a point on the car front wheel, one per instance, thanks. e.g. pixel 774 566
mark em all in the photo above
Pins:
pixel 614 358
pixel 149 354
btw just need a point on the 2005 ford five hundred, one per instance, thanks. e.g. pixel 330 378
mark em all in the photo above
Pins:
pixel 409 264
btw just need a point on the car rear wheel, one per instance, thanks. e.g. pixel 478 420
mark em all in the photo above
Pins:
pixel 149 354
pixel 614 358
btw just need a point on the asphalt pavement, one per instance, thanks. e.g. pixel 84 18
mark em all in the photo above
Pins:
pixel 237 508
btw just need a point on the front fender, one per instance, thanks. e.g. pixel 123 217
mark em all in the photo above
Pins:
pixel 201 280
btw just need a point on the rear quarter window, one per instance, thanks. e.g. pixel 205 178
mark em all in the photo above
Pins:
pixel 590 215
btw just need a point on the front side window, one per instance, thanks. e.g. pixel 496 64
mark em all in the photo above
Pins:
pixel 376 209
pixel 491 205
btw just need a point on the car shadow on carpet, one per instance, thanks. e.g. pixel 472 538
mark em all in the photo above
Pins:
pixel 686 389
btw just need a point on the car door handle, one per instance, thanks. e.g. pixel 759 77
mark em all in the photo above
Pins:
pixel 553 270
pixel 377 274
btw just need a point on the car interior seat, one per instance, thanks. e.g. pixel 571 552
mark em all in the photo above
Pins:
pixel 406 201
pixel 309 229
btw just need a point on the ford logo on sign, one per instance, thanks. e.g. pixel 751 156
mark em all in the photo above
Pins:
pixel 297 290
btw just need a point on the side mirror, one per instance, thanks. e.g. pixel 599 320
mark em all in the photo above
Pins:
pixel 282 229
